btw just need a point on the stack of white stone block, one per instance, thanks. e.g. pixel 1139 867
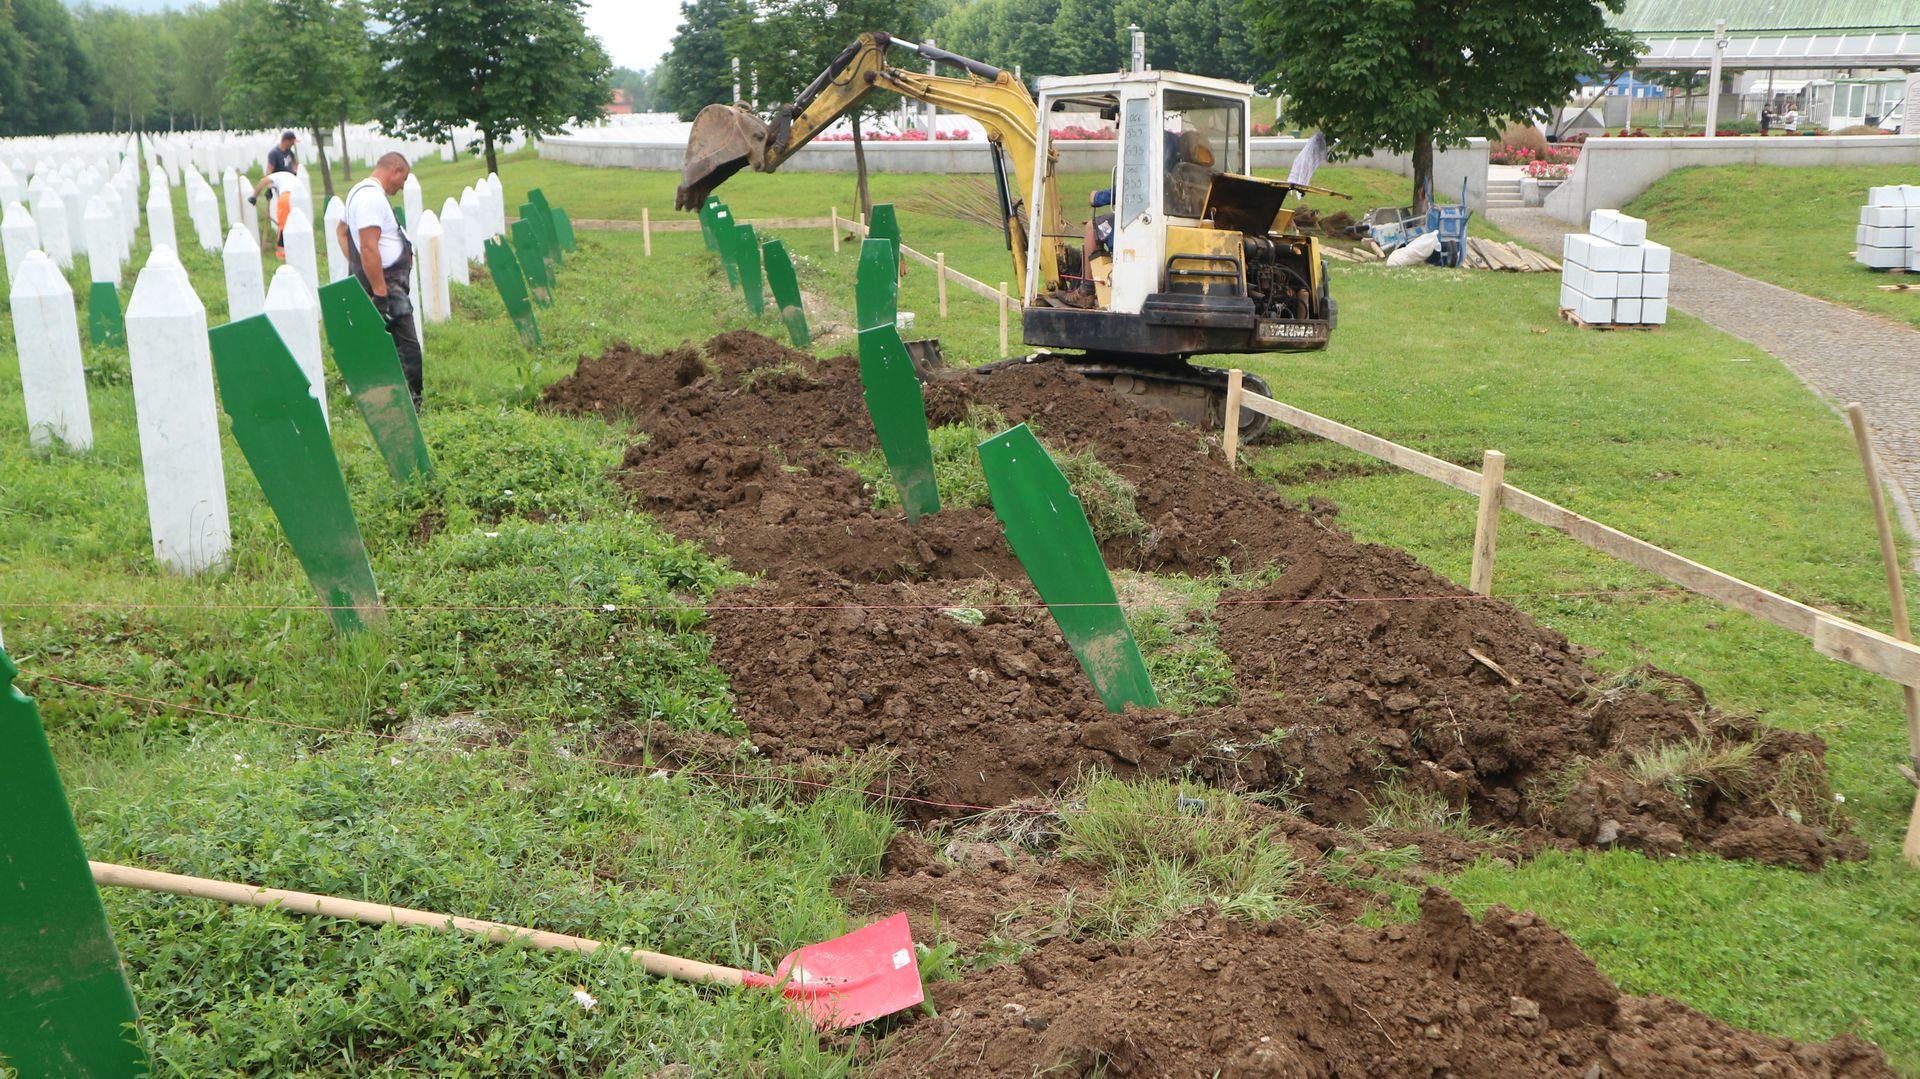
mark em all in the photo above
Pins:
pixel 1889 234
pixel 1612 275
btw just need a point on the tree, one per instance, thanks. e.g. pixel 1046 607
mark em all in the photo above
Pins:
pixel 204 34
pixel 1082 37
pixel 699 67
pixel 40 53
pixel 302 61
pixel 1412 74
pixel 786 43
pixel 130 54
pixel 496 65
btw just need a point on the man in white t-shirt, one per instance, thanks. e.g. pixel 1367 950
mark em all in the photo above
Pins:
pixel 381 257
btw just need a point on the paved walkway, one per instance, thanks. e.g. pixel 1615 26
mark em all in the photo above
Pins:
pixel 1840 353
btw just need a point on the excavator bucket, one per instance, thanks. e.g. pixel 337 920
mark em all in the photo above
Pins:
pixel 724 140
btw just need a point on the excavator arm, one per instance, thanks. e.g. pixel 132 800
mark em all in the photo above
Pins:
pixel 727 138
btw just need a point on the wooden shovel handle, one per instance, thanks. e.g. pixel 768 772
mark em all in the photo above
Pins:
pixel 326 906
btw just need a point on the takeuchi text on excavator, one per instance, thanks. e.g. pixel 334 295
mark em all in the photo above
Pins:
pixel 1186 253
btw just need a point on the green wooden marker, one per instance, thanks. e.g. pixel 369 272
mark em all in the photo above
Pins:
pixel 526 244
pixel 707 209
pixel 876 287
pixel 542 222
pixel 746 249
pixel 106 324
pixel 786 291
pixel 504 268
pixel 899 418
pixel 283 434
pixel 69 1010
pixel 1049 533
pixel 538 199
pixel 563 230
pixel 364 353
pixel 883 224
pixel 724 233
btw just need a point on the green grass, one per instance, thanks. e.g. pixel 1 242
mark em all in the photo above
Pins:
pixel 1686 437
pixel 1790 226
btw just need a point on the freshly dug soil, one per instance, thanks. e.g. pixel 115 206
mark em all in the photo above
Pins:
pixel 1215 996
pixel 1355 665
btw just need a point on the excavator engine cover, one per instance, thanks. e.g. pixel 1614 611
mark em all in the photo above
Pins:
pixel 724 140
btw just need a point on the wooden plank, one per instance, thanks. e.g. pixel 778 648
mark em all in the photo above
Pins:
pixel 1230 420
pixel 1463 479
pixel 1868 649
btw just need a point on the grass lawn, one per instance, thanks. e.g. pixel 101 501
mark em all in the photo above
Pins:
pixel 1687 437
pixel 1790 226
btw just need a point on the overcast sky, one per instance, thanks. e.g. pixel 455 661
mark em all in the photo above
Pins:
pixel 635 32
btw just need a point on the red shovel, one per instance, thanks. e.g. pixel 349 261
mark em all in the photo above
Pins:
pixel 836 983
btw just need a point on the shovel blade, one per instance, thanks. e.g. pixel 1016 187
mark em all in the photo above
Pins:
pixel 856 978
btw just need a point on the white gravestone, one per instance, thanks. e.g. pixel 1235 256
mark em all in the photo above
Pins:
pixel 475 209
pixel 246 283
pixel 46 334
pixel 179 426
pixel 453 222
pixel 431 247
pixel 50 211
pixel 18 236
pixel 295 314
pixel 160 214
pixel 300 253
pixel 330 239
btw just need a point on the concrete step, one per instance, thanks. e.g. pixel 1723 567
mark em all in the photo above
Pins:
pixel 1503 186
pixel 1504 204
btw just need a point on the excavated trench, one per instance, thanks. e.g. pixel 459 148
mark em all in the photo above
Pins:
pixel 1353 666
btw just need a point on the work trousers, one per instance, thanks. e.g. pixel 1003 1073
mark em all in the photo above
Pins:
pixel 399 314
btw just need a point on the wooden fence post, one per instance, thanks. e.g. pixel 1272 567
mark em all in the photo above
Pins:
pixel 1003 318
pixel 1230 419
pixel 646 232
pixel 940 274
pixel 1493 473
pixel 1897 596
pixel 834 213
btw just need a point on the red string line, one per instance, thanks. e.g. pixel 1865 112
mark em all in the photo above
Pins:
pixel 724 608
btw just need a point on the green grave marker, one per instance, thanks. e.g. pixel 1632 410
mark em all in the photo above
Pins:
pixel 1048 531
pixel 724 232
pixel 283 434
pixel 69 1010
pixel 106 323
pixel 364 353
pixel 542 224
pixel 786 291
pixel 746 249
pixel 899 418
pixel 883 224
pixel 563 229
pixel 527 244
pixel 876 288
pixel 707 209
pixel 504 268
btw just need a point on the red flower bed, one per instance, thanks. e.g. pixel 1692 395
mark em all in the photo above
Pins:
pixel 899 136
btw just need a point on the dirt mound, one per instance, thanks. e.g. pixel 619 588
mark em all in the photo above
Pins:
pixel 1357 666
pixel 1506 996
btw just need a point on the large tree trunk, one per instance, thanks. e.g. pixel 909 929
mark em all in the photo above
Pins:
pixel 493 163
pixel 326 171
pixel 861 199
pixel 1422 172
pixel 346 158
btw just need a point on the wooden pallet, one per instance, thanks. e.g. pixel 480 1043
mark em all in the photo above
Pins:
pixel 1567 316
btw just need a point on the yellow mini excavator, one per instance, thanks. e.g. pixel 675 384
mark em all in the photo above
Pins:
pixel 1193 255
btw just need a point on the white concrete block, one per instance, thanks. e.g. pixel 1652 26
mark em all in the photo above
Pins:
pixel 246 281
pixel 1629 288
pixel 1654 286
pixel 1627 309
pixel 160 232
pixel 1879 236
pixel 330 239
pixel 46 335
pixel 300 253
pixel 1617 227
pixel 1602 284
pixel 294 310
pixel 1883 216
pixel 1881 258
pixel 1655 258
pixel 1576 247
pixel 1653 312
pixel 453 221
pixel 18 235
pixel 1593 309
pixel 179 426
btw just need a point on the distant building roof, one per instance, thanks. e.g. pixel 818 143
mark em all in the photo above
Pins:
pixel 1766 16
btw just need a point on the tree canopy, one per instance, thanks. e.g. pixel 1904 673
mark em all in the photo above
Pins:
pixel 1082 37
pixel 700 69
pixel 303 62
pixel 46 78
pixel 1409 75
pixel 498 65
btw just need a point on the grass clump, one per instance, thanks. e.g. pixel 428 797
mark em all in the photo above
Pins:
pixel 1399 806
pixel 1108 499
pixel 1688 766
pixel 1168 847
